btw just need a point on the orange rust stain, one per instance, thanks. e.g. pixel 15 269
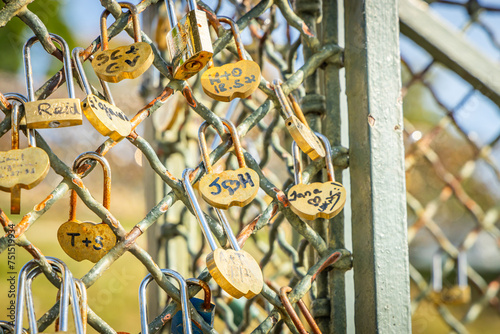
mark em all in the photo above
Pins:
pixel 22 226
pixel 166 318
pixel 164 207
pixel 280 195
pixel 42 204
pixel 305 29
pixel 77 182
pixel 170 176
pixel 188 94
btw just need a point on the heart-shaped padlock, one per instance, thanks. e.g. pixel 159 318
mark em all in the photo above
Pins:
pixel 318 199
pixel 222 190
pixel 230 81
pixel 124 62
pixel 87 240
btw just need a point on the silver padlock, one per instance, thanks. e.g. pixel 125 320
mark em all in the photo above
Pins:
pixel 67 292
pixel 186 316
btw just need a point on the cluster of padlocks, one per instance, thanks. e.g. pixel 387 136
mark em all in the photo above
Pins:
pixel 234 269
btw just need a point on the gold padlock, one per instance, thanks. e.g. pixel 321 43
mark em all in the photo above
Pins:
pixel 51 113
pixel 188 41
pixel 234 270
pixel 87 240
pixel 457 294
pixel 21 168
pixel 124 62
pixel 317 199
pixel 105 117
pixel 300 132
pixel 232 80
pixel 235 187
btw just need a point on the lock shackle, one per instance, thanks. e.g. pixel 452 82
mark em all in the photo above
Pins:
pixel 191 5
pixel 201 216
pixel 28 71
pixel 289 105
pixel 235 30
pixel 29 271
pixel 293 315
pixel 207 300
pixel 30 133
pixel 172 19
pixel 297 159
pixel 135 23
pixel 81 290
pixel 437 270
pixel 236 144
pixel 83 77
pixel 7 325
pixel 186 316
pixel 79 161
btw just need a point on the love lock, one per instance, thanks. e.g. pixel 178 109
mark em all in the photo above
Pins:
pixel 222 190
pixel 104 116
pixel 67 293
pixel 232 80
pixel 87 240
pixel 234 270
pixel 51 113
pixel 186 316
pixel 300 132
pixel 203 306
pixel 124 62
pixel 459 293
pixel 318 199
pixel 21 168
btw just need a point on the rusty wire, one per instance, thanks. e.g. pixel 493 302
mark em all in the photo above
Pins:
pixel 272 214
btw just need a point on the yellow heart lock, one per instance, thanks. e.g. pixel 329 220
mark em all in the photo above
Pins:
pixel 232 80
pixel 21 168
pixel 104 116
pixel 124 62
pixel 234 270
pixel 87 240
pixel 222 190
pixel 318 199
pixel 297 126
pixel 51 113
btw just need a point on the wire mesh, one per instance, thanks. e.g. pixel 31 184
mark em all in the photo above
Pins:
pixel 305 252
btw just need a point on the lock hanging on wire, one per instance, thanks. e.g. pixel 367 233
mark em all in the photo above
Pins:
pixel 230 81
pixel 236 187
pixel 318 199
pixel 124 62
pixel 87 240
pixel 51 113
pixel 457 294
pixel 203 306
pixel 104 116
pixel 186 316
pixel 188 41
pixel 297 126
pixel 234 270
pixel 68 292
pixel 21 168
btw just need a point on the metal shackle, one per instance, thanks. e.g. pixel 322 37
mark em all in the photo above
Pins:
pixel 83 77
pixel 288 102
pixel 293 315
pixel 207 300
pixel 201 216
pixel 297 159
pixel 235 30
pixel 68 73
pixel 135 23
pixel 30 133
pixel 172 19
pixel 68 291
pixel 186 316
pixel 437 270
pixel 106 185
pixel 236 144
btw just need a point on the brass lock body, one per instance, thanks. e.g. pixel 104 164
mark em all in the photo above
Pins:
pixel 457 294
pixel 188 41
pixel 51 113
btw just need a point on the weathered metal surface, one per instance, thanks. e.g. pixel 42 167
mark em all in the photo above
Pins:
pixel 450 47
pixel 376 164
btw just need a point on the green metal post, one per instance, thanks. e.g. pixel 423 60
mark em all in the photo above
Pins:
pixel 380 248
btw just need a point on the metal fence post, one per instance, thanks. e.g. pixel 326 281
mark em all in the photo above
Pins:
pixel 380 248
